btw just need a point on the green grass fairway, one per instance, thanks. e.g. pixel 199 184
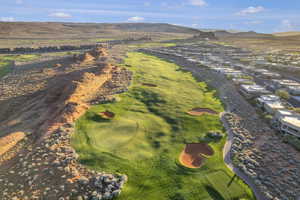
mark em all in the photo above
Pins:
pixel 4 68
pixel 148 132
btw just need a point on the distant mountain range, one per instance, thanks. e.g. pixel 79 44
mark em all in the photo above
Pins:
pixel 250 34
pixel 58 30
pixel 85 30
pixel 291 33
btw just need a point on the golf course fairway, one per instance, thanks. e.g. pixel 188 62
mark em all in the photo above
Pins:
pixel 149 130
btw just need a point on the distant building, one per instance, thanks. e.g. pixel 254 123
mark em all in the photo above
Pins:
pixel 242 81
pixel 252 91
pixel 284 83
pixel 270 75
pixel 293 90
pixel 287 122
pixel 269 103
pixel 295 101
pixel 260 71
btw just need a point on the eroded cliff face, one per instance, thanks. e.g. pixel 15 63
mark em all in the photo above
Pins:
pixel 43 158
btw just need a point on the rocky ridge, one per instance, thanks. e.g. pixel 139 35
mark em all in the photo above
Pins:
pixel 46 165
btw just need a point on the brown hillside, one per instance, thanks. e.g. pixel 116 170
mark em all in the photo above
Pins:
pixel 36 125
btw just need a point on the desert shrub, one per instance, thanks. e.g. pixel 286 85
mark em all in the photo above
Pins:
pixel 292 140
pixel 283 94
pixel 297 110
pixel 156 144
pixel 177 196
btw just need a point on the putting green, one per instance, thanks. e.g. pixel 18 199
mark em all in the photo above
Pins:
pixel 149 131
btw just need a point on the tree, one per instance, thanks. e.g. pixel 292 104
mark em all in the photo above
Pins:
pixel 283 94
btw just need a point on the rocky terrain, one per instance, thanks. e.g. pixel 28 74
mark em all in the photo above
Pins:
pixel 257 150
pixel 41 102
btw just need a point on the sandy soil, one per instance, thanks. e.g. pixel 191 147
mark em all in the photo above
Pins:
pixel 10 141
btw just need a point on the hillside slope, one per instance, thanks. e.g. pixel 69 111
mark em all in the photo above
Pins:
pixel 250 34
pixel 85 30
pixel 284 34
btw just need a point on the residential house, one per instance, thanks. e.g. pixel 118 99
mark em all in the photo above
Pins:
pixel 252 91
pixel 242 81
pixel 287 122
pixel 269 103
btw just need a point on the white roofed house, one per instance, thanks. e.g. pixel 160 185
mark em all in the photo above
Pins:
pixel 252 91
pixel 269 103
pixel 287 122
pixel 260 71
pixel 244 81
pixel 270 75
pixel 285 83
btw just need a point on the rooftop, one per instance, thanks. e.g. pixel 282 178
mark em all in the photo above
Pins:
pixel 286 82
pixel 275 104
pixel 292 120
pixel 269 98
pixel 285 112
pixel 254 88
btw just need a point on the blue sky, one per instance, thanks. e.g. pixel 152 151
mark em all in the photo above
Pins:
pixel 258 15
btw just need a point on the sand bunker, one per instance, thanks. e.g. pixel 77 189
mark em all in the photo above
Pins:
pixel 149 84
pixel 107 114
pixel 194 154
pixel 201 111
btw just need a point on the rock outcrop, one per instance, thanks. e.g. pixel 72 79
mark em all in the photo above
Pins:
pixel 45 163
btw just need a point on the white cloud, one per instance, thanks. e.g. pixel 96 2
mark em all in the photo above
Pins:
pixel 251 10
pixel 19 2
pixel 172 6
pixel 60 15
pixel 7 19
pixel 195 25
pixel 136 19
pixel 286 25
pixel 197 3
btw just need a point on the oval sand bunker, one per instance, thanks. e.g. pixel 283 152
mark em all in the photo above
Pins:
pixel 201 111
pixel 194 154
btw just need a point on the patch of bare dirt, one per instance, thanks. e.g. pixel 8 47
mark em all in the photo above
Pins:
pixel 9 141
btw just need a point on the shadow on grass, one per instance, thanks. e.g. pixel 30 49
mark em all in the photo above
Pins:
pixel 214 194
pixel 177 196
pixel 96 118
pixel 231 181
